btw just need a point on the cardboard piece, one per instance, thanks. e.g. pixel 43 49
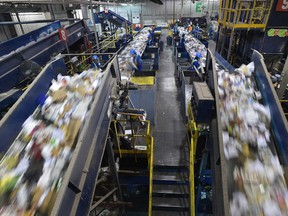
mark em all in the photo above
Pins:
pixel 36 197
pixel 72 131
pixel 47 205
pixel 81 90
pixel 59 95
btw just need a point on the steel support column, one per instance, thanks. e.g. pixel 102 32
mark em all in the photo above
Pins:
pixel 102 199
pixel 230 45
pixel 18 19
pixel 84 10
pixel 173 11
pixel 95 30
pixel 113 169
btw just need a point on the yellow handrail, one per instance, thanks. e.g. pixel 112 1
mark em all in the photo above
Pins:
pixel 151 176
pixel 191 180
pixel 108 41
pixel 193 133
pixel 150 155
pixel 133 135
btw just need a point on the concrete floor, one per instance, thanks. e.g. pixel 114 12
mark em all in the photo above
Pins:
pixel 169 131
pixel 170 142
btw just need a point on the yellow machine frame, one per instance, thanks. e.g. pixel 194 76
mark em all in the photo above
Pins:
pixel 256 14
pixel 151 161
pixel 147 136
pixel 149 152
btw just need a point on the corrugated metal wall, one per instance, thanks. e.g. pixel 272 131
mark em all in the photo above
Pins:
pixel 3 37
pixel 30 17
pixel 158 14
pixel 60 13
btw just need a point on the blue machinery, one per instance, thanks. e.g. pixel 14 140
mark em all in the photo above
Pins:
pixel 92 138
pixel 115 21
pixel 39 51
pixel 33 47
pixel 112 18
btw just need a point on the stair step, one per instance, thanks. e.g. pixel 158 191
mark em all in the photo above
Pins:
pixel 163 168
pixel 169 208
pixel 170 204
pixel 160 190
pixel 170 175
pixel 169 213
pixel 167 178
pixel 170 182
pixel 170 195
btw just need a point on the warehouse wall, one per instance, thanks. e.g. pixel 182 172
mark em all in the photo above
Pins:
pixel 59 12
pixel 30 17
pixel 6 31
pixel 152 13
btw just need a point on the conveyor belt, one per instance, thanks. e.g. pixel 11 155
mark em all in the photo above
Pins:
pixel 220 167
pixel 223 62
pixel 19 42
pixel 270 99
pixel 76 192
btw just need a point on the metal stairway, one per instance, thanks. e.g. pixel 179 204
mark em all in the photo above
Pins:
pixel 170 190
pixel 170 193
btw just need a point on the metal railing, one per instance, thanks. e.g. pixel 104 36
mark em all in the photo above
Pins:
pixel 109 42
pixel 151 161
pixel 85 58
pixel 134 136
pixel 149 151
